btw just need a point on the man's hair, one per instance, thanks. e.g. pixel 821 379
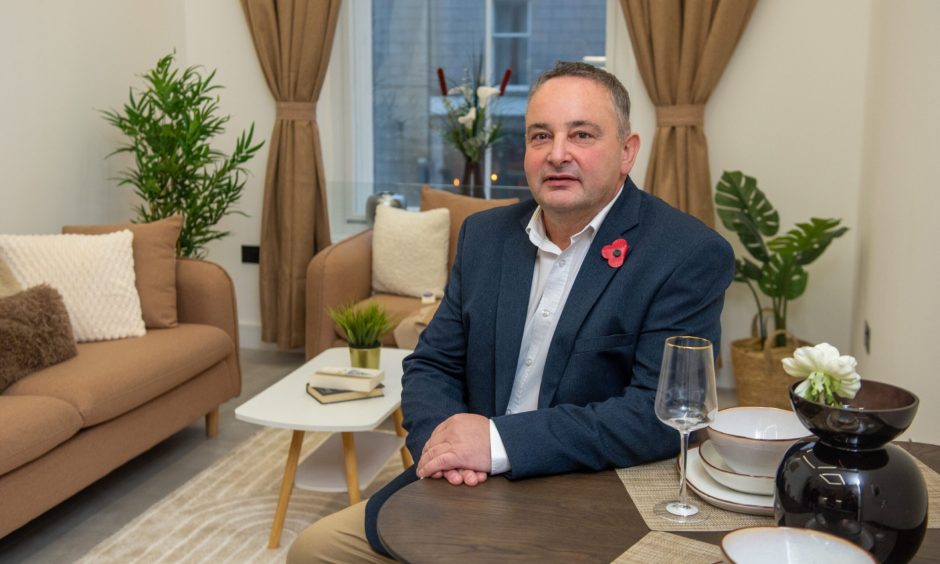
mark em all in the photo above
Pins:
pixel 618 94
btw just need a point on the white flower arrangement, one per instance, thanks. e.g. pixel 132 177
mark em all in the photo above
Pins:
pixel 830 378
pixel 468 128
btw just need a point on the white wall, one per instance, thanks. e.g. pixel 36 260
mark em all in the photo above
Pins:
pixel 62 62
pixel 899 264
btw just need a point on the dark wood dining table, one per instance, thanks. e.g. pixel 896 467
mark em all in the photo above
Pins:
pixel 580 517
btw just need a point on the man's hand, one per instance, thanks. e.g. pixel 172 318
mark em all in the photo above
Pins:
pixel 458 450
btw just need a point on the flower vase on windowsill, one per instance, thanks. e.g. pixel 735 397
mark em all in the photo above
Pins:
pixel 469 128
pixel 471 184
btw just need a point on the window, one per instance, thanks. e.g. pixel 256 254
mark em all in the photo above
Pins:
pixel 411 38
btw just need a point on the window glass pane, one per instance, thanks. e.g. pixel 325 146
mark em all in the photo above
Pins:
pixel 510 16
pixel 412 38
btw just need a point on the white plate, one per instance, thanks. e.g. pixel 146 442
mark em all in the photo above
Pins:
pixel 721 496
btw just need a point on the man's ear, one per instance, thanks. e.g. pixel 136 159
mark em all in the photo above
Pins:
pixel 631 147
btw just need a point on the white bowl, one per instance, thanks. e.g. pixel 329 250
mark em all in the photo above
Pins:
pixel 718 469
pixel 770 545
pixel 753 440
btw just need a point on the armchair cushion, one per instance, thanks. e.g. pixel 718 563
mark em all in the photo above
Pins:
pixel 409 251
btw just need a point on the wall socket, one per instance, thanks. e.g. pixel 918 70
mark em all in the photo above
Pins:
pixel 250 254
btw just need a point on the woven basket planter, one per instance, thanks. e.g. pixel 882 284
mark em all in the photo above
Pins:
pixel 758 373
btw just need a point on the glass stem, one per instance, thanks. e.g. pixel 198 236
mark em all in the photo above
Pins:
pixel 684 440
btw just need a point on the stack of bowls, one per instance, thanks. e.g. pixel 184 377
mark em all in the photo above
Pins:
pixel 746 445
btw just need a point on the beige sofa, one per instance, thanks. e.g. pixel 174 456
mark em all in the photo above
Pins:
pixel 66 426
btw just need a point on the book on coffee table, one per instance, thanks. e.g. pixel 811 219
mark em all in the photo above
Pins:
pixel 331 395
pixel 347 378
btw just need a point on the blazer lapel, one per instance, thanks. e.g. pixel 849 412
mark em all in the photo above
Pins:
pixel 593 278
pixel 515 284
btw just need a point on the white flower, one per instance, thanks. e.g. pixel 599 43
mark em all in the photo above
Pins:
pixel 468 118
pixel 484 93
pixel 826 372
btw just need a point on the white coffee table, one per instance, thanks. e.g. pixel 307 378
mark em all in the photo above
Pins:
pixel 286 405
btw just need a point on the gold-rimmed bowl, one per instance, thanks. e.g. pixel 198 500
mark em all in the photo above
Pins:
pixel 753 440
pixel 719 470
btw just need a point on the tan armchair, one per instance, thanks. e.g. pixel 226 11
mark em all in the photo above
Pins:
pixel 342 273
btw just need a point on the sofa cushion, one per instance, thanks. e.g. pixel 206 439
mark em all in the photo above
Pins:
pixel 109 378
pixel 31 426
pixel 94 274
pixel 34 333
pixel 460 208
pixel 8 283
pixel 154 265
pixel 409 251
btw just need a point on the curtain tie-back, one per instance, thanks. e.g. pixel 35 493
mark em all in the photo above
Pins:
pixel 296 111
pixel 682 114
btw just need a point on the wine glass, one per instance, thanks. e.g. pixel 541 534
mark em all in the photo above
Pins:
pixel 686 399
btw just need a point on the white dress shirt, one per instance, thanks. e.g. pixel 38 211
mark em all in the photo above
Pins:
pixel 554 274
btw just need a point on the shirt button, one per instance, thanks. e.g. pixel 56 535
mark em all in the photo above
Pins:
pixel 561 262
pixel 546 313
pixel 528 362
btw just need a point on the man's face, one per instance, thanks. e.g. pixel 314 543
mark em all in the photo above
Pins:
pixel 574 161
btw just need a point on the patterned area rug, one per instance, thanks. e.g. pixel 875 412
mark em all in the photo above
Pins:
pixel 225 513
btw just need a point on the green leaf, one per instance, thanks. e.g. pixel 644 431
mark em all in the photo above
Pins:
pixel 783 277
pixel 745 269
pixel 808 240
pixel 750 236
pixel 736 194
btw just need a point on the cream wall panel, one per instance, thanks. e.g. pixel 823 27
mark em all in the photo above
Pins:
pixel 900 265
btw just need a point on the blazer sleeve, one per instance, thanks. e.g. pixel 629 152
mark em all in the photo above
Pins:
pixel 434 380
pixel 623 431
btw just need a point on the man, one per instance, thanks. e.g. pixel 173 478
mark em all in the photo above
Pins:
pixel 545 352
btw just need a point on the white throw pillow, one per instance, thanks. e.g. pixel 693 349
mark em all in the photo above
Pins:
pixel 94 274
pixel 409 251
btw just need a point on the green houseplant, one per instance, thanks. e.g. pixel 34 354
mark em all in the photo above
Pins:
pixel 169 126
pixel 776 268
pixel 364 327
pixel 780 260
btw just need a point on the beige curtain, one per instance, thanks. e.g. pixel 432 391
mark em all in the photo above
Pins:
pixel 681 48
pixel 293 39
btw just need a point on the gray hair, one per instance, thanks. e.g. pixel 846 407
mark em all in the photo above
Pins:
pixel 618 94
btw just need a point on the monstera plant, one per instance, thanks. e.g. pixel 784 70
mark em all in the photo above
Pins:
pixel 776 265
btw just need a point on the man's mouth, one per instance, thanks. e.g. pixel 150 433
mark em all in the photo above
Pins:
pixel 559 178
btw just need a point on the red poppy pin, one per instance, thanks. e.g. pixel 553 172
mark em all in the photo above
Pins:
pixel 615 253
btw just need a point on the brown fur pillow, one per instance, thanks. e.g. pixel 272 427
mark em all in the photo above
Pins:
pixel 35 332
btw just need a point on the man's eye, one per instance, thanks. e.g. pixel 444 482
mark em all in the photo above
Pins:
pixel 583 135
pixel 539 136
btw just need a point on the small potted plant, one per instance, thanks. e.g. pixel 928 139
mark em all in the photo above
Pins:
pixel 364 327
pixel 778 273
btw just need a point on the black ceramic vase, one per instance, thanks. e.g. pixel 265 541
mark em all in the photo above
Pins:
pixel 851 482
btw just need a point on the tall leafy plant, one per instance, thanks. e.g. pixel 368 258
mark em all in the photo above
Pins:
pixel 780 259
pixel 169 126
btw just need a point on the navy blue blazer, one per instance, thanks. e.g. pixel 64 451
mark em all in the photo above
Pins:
pixel 596 401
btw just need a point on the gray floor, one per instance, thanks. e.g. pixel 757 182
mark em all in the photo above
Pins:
pixel 74 527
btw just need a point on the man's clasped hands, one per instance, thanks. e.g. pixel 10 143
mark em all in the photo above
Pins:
pixel 458 450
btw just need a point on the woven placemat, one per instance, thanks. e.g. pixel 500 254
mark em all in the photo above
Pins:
pixel 667 548
pixel 646 487
pixel 933 494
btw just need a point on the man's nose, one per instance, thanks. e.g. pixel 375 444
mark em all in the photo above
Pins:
pixel 559 154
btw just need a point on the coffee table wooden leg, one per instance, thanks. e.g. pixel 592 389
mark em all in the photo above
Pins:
pixel 352 470
pixel 287 485
pixel 406 459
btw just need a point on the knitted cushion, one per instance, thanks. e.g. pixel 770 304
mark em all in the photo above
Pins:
pixel 409 251
pixel 94 274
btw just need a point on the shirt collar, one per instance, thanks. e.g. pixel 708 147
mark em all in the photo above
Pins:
pixel 536 227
